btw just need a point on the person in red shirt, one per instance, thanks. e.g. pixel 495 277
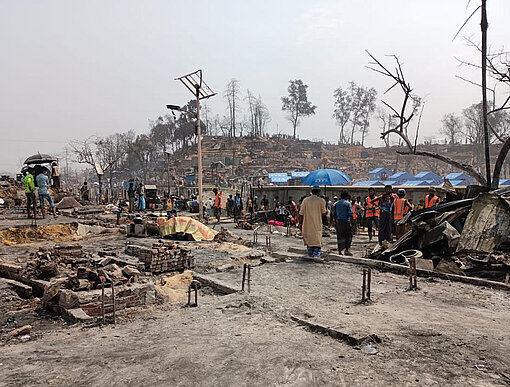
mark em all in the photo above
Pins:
pixel 217 204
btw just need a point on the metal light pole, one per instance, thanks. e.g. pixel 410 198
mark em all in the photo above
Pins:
pixel 197 86
pixel 199 155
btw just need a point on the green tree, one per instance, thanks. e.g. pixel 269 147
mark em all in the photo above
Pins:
pixel 296 104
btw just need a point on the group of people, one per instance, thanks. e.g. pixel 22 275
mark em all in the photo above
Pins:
pixel 136 196
pixel 383 212
pixel 42 181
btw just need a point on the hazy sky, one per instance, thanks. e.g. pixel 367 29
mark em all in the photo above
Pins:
pixel 70 69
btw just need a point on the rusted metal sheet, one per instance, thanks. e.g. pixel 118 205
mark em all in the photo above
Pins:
pixel 487 225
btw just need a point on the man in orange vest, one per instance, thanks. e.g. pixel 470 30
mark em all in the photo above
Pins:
pixel 385 203
pixel 217 204
pixel 401 207
pixel 432 199
pixel 371 213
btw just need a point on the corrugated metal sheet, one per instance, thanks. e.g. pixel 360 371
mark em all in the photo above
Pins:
pixel 487 225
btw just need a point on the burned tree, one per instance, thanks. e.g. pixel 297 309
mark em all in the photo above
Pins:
pixel 231 95
pixel 406 113
pixel 102 154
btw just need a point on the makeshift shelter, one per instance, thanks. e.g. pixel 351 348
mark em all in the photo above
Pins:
pixel 278 178
pixel 299 174
pixel 401 177
pixel 380 173
pixel 458 183
pixel 416 183
pixel 468 180
pixel 368 183
pixel 430 177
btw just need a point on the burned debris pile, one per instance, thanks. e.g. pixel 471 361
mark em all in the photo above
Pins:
pixel 466 237
pixel 72 283
pixel 162 257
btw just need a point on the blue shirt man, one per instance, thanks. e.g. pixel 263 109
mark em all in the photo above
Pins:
pixel 42 183
pixel 343 210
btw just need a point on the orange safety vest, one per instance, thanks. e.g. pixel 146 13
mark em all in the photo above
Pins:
pixel 217 200
pixel 431 202
pixel 400 208
pixel 370 208
pixel 354 214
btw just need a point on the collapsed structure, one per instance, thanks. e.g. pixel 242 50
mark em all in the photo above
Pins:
pixel 467 236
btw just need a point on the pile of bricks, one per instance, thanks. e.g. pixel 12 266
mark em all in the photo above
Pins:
pixel 69 254
pixel 162 257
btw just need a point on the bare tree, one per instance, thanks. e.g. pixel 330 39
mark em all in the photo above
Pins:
pixel 452 127
pixel 406 114
pixel 387 122
pixel 258 114
pixel 232 96
pixel 296 104
pixel 101 153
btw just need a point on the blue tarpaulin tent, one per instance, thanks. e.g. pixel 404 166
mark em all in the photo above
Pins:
pixel 416 183
pixel 401 177
pixel 457 183
pixel 278 178
pixel 299 174
pixel 368 183
pixel 380 173
pixel 468 180
pixel 429 176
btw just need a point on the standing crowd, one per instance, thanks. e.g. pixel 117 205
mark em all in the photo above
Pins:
pixel 383 213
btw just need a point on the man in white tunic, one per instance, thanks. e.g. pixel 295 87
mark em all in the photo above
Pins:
pixel 310 222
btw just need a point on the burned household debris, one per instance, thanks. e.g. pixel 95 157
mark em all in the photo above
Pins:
pixel 467 237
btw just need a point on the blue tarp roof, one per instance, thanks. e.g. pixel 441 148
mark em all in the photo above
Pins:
pixel 427 175
pixel 389 182
pixel 504 182
pixel 379 169
pixel 460 176
pixel 299 174
pixel 400 176
pixel 368 183
pixel 278 177
pixel 457 176
pixel 416 183
pixel 458 182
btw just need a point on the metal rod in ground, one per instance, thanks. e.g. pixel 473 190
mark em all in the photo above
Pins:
pixel 369 280
pixel 249 277
pixel 196 293
pixel 189 296
pixel 102 299
pixel 113 300
pixel 244 276
pixel 363 286
pixel 412 273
